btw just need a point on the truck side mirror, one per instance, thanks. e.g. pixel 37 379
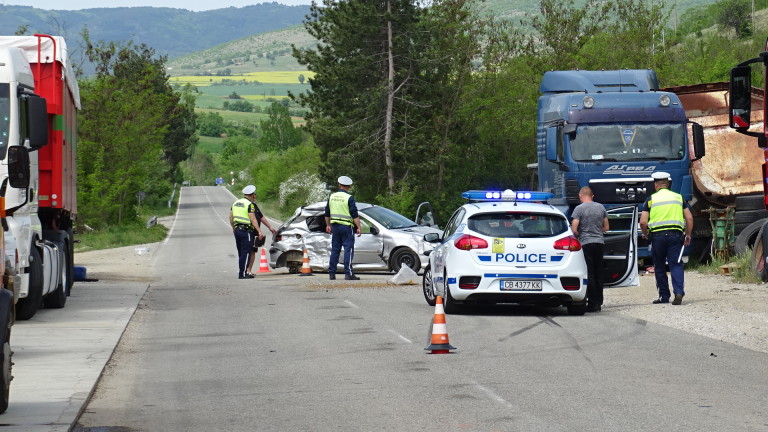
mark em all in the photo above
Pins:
pixel 698 141
pixel 36 122
pixel 18 167
pixel 551 144
pixel 740 98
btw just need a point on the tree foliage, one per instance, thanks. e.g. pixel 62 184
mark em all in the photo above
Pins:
pixel 277 132
pixel 388 77
pixel 134 130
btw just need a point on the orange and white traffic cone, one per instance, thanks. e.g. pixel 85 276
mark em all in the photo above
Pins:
pixel 440 343
pixel 263 265
pixel 306 270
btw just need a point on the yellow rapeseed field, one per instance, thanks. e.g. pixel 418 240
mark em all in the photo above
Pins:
pixel 273 77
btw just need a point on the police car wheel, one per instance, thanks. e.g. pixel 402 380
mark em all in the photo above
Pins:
pixel 577 308
pixel 428 286
pixel 449 304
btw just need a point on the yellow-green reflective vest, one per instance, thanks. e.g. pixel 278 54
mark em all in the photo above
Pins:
pixel 240 212
pixel 338 204
pixel 666 211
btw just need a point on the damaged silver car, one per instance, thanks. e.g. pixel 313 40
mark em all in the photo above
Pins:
pixel 389 241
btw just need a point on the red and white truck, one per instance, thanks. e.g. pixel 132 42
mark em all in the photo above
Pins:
pixel 40 139
pixel 741 104
pixel 38 102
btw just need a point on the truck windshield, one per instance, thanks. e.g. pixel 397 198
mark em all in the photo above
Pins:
pixel 622 142
pixel 5 116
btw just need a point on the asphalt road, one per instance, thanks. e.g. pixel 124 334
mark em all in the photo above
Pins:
pixel 205 351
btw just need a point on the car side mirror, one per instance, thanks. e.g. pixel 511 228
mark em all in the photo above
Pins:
pixel 374 230
pixel 432 237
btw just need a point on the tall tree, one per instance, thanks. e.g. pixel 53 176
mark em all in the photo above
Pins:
pixel 278 132
pixel 386 81
pixel 561 30
pixel 128 111
pixel 363 60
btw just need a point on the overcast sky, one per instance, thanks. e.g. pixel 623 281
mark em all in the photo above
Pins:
pixel 195 5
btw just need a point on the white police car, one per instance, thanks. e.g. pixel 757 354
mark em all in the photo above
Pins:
pixel 512 247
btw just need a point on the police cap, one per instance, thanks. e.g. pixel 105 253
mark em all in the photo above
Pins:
pixel 345 181
pixel 249 190
pixel 661 175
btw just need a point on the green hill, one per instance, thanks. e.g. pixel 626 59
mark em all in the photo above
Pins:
pixel 516 9
pixel 170 31
pixel 262 52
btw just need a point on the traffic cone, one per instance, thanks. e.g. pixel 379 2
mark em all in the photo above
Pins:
pixel 263 265
pixel 306 270
pixel 440 343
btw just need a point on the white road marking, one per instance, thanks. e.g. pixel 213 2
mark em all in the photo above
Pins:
pixel 175 218
pixel 226 221
pixel 493 395
pixel 351 304
pixel 401 336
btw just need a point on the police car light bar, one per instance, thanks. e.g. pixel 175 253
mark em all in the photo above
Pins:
pixel 507 195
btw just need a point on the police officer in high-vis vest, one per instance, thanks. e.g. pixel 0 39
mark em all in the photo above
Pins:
pixel 242 218
pixel 669 222
pixel 340 219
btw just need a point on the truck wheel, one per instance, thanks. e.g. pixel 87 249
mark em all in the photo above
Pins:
pixel 58 298
pixel 405 257
pixel 70 255
pixel 27 307
pixel 5 362
pixel 759 255
pixel 749 216
pixel 746 238
pixel 750 202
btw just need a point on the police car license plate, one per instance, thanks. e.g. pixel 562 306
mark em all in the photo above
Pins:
pixel 518 285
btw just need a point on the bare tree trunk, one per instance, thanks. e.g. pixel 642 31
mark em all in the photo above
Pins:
pixel 390 104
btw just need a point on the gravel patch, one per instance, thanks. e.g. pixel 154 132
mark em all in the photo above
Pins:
pixel 714 306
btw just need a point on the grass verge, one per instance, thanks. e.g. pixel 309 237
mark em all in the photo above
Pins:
pixel 118 236
pixel 742 273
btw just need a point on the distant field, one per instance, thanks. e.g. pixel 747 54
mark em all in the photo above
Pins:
pixel 243 118
pixel 210 144
pixel 271 77
pixel 214 96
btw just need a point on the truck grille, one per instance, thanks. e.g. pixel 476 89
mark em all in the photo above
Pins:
pixel 620 192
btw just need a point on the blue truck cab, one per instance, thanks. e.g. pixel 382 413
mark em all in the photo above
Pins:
pixel 610 130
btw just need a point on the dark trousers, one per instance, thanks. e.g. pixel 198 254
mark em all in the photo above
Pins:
pixel 593 255
pixel 666 248
pixel 244 243
pixel 342 236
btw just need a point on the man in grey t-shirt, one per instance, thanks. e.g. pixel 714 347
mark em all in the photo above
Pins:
pixel 590 221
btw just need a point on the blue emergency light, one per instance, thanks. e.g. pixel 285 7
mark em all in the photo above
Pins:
pixel 507 195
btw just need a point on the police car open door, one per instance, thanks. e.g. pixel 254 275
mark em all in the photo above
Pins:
pixel 620 253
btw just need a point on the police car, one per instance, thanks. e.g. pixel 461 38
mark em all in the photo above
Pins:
pixel 511 247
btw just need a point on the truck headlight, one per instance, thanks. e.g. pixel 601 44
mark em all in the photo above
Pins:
pixel 664 100
pixel 588 101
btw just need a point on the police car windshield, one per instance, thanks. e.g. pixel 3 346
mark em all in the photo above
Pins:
pixel 599 142
pixel 518 225
pixel 388 218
